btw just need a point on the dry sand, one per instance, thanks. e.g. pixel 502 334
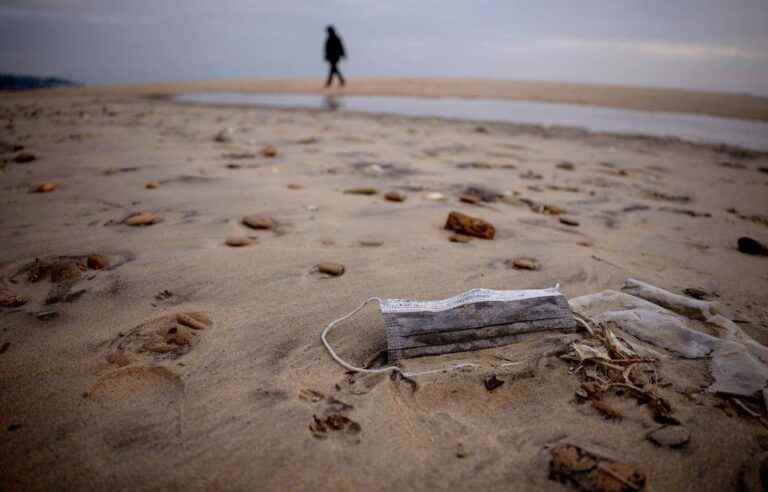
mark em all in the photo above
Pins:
pixel 231 406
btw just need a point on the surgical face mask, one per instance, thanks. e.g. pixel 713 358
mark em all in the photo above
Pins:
pixel 476 319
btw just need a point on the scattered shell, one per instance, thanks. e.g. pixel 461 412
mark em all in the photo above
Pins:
pixel 237 241
pixel 395 196
pixel 142 219
pixel 471 226
pixel 259 222
pixel 269 151
pixel 45 188
pixel 458 238
pixel 435 196
pixel 97 262
pixel 569 221
pixel 334 269
pixel 152 185
pixel 523 263
pixel 24 157
pixel 361 191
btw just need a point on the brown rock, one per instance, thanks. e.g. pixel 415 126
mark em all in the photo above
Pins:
pixel 458 238
pixel 269 151
pixel 97 262
pixel 259 222
pixel 395 196
pixel 45 188
pixel 569 221
pixel 470 226
pixel 526 263
pixel 152 185
pixel 9 299
pixel 361 191
pixel 142 219
pixel 238 241
pixel 24 157
pixel 329 268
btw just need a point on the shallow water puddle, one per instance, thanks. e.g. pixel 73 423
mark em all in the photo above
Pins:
pixel 750 134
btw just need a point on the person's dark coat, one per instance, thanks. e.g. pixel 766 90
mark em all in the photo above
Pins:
pixel 334 49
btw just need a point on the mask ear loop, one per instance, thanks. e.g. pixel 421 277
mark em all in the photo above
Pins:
pixel 350 367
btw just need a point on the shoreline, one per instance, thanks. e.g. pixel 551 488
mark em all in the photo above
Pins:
pixel 728 105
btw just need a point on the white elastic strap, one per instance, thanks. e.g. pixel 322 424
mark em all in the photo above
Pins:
pixel 350 367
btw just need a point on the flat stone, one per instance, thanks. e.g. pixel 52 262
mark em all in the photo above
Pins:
pixel 24 157
pixel 97 262
pixel 395 196
pixel 329 268
pixel 238 241
pixel 45 188
pixel 526 263
pixel 670 436
pixel 269 151
pixel 361 191
pixel 750 246
pixel 569 221
pixel 142 219
pixel 470 226
pixel 259 222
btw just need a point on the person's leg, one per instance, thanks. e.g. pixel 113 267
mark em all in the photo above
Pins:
pixel 331 69
pixel 341 77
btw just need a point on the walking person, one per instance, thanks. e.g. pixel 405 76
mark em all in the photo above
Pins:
pixel 334 51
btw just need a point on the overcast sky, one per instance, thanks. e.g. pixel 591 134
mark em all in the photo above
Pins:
pixel 705 44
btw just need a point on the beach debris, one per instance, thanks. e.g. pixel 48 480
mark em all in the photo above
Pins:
pixel 395 196
pixel 166 337
pixel 10 299
pixel 223 136
pixel 570 464
pixel 750 246
pixel 24 158
pixel 142 219
pixel 566 166
pixel 492 382
pixel 434 196
pixel 361 191
pixel 684 211
pixel 269 151
pixel 238 241
pixel 151 185
pixel 97 262
pixel 526 263
pixel 470 226
pixel 259 222
pixel 569 221
pixel 670 436
pixel 45 188
pixel 330 268
pixel 459 238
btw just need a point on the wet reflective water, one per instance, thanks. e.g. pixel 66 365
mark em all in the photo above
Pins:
pixel 750 134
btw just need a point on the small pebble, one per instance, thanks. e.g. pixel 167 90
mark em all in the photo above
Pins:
pixel 566 166
pixel 269 151
pixel 294 186
pixel 238 241
pixel 334 269
pixel 526 264
pixel 569 221
pixel 152 185
pixel 395 196
pixel 470 226
pixel 45 188
pixel 142 219
pixel 259 222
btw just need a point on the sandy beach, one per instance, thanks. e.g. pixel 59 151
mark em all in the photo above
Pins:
pixel 231 397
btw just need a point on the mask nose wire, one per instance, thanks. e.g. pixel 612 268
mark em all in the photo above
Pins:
pixel 348 366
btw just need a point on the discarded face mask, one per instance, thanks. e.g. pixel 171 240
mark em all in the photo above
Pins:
pixel 476 319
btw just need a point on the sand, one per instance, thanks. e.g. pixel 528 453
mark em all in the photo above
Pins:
pixel 111 388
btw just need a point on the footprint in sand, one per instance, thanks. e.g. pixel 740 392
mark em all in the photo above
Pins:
pixel 167 337
pixel 138 408
pixel 330 419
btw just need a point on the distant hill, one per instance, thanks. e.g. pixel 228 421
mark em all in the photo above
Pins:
pixel 15 82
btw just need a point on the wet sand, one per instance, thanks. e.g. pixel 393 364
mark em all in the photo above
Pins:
pixel 105 385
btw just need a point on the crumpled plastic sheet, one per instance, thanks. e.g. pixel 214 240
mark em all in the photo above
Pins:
pixel 738 364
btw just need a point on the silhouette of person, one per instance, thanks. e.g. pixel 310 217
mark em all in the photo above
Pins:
pixel 334 51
